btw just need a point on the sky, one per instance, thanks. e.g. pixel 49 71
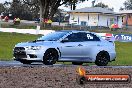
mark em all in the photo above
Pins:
pixel 116 4
pixel 1 1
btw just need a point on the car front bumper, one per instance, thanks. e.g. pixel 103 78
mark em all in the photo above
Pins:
pixel 31 55
pixel 27 59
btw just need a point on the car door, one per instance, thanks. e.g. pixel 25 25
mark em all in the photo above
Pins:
pixel 72 49
pixel 90 45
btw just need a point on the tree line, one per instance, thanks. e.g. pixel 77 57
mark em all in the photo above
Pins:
pixel 30 9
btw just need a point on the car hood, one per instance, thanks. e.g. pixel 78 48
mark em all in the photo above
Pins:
pixel 42 43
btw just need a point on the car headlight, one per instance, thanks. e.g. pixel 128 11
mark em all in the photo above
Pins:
pixel 34 48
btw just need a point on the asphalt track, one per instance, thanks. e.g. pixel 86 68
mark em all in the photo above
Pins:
pixel 18 64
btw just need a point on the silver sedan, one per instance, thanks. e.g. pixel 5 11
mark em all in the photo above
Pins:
pixel 77 47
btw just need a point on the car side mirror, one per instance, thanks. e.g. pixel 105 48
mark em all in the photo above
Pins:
pixel 65 40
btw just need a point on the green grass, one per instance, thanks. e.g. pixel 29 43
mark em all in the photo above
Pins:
pixel 8 41
pixel 113 32
pixel 3 25
pixel 124 54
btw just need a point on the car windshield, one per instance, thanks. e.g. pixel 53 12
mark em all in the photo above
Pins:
pixel 52 36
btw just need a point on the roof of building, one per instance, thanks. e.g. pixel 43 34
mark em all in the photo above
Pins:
pixel 125 11
pixel 94 10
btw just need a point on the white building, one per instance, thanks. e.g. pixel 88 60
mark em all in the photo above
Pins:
pixel 94 16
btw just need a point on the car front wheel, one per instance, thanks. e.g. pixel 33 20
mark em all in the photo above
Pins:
pixel 50 57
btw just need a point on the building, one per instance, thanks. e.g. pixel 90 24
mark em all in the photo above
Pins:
pixel 95 16
pixel 127 17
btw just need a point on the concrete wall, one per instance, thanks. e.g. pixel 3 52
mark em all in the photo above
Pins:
pixel 93 20
pixel 103 20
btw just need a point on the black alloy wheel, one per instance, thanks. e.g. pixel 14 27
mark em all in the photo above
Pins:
pixel 50 57
pixel 102 59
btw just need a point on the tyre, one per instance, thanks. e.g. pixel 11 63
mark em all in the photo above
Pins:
pixel 102 59
pixel 50 57
pixel 26 62
pixel 77 63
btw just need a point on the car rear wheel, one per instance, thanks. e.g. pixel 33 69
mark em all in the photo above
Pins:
pixel 50 57
pixel 77 63
pixel 102 59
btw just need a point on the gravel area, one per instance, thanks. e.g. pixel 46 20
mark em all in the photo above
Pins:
pixel 55 77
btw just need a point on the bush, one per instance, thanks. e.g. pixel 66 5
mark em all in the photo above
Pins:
pixel 16 22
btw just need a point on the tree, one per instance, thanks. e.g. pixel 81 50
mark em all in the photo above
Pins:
pixel 60 16
pixel 5 8
pixel 34 7
pixel 128 5
pixel 47 7
pixel 103 6
pixel 73 3
pixel 121 8
pixel 2 8
pixel 18 8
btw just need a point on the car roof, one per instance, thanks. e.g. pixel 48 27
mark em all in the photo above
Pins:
pixel 73 31
pixel 76 31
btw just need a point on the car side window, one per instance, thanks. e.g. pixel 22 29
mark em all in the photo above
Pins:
pixel 92 37
pixel 82 36
pixel 75 37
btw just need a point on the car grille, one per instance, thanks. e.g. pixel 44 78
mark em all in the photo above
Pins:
pixel 19 52
pixel 19 48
